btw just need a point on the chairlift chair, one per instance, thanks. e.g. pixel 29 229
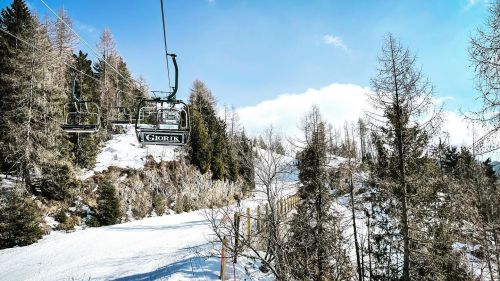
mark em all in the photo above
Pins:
pixel 81 116
pixel 163 121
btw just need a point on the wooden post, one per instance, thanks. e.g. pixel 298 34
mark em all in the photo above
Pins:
pixel 223 259
pixel 236 235
pixel 258 218
pixel 249 226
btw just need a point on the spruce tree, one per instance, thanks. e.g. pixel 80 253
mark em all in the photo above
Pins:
pixel 317 248
pixel 108 204
pixel 31 136
pixel 210 147
pixel 246 161
pixel 84 147
pixel 20 221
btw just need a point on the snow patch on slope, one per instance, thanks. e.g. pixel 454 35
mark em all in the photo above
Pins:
pixel 124 151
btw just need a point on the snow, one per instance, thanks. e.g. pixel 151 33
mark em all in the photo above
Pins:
pixel 125 151
pixel 51 221
pixel 170 248
pixel 159 248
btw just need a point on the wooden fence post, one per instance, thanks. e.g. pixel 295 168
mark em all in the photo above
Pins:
pixel 223 259
pixel 236 235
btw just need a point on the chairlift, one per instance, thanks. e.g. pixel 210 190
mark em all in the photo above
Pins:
pixel 81 116
pixel 163 121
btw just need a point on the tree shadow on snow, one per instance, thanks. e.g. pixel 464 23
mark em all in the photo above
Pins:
pixel 195 267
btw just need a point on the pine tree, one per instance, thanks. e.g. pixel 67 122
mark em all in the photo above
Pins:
pixel 199 150
pixel 108 204
pixel 20 221
pixel 246 161
pixel 317 245
pixel 16 19
pixel 31 136
pixel 210 147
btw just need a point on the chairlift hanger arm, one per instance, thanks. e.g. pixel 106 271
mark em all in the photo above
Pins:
pixel 172 96
pixel 73 91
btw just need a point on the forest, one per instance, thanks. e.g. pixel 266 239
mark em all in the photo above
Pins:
pixel 419 208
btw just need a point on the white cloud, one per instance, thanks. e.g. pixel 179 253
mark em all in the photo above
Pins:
pixel 335 41
pixel 459 129
pixel 338 103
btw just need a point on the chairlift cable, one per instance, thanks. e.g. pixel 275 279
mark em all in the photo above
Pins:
pixel 165 43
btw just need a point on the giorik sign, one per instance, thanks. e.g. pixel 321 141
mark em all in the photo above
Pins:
pixel 162 138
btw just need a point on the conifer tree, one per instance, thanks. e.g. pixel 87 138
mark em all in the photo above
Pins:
pixel 246 161
pixel 401 97
pixel 31 136
pixel 210 147
pixel 20 221
pixel 317 247
pixel 108 204
pixel 84 147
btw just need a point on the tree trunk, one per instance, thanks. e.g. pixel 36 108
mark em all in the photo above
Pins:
pixel 401 168
pixel 356 244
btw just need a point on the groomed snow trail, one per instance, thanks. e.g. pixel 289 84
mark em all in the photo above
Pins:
pixel 158 248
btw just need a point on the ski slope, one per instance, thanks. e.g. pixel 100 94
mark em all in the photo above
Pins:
pixel 170 247
pixel 158 248
pixel 139 250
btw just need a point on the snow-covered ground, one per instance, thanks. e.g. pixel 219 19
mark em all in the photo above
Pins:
pixel 159 248
pixel 125 151
pixel 170 247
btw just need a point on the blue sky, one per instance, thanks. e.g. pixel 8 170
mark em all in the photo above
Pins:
pixel 250 51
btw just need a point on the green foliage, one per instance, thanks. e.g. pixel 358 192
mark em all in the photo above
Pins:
pixel 210 147
pixel 56 181
pixel 108 204
pixel 85 148
pixel 317 246
pixel 245 158
pixel 20 222
pixel 199 150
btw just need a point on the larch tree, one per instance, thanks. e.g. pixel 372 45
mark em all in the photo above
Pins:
pixel 105 69
pixel 484 52
pixel 404 117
